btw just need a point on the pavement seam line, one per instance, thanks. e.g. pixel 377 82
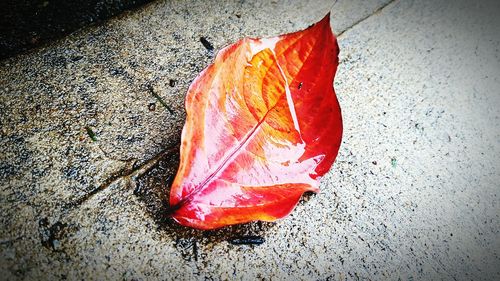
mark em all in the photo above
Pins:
pixel 377 11
pixel 125 173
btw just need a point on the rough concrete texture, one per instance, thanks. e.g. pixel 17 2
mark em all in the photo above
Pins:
pixel 414 193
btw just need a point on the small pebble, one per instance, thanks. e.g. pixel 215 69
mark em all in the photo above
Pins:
pixel 152 106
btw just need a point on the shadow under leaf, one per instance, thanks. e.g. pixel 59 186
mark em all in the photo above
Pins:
pixel 153 189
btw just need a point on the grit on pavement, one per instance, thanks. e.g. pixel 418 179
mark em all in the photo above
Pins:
pixel 90 131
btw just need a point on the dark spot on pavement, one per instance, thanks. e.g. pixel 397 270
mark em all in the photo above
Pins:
pixel 247 240
pixel 50 235
pixel 206 44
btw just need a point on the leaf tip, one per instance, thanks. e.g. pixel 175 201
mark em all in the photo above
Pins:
pixel 321 24
pixel 325 19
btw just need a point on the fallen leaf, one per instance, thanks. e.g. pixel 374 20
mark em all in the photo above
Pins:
pixel 263 124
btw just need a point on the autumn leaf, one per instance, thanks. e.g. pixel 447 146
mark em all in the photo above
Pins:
pixel 263 124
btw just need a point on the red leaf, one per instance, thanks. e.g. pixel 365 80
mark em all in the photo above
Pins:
pixel 263 124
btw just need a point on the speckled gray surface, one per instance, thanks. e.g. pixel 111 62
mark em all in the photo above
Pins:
pixel 414 193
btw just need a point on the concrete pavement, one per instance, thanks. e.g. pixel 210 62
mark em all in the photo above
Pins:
pixel 414 192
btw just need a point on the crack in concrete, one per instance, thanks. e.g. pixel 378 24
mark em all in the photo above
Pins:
pixel 377 11
pixel 127 173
